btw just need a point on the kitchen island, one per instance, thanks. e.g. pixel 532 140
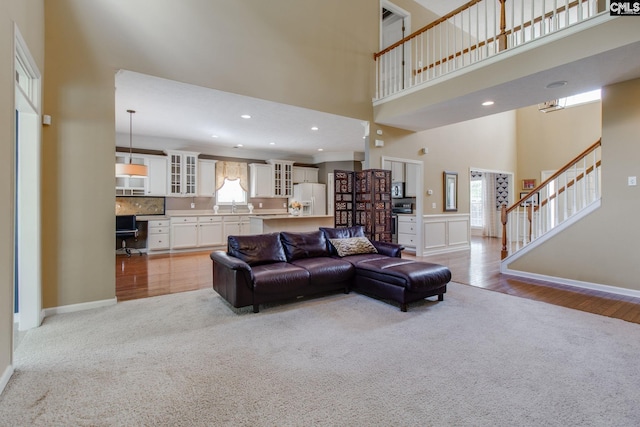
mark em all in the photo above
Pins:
pixel 275 223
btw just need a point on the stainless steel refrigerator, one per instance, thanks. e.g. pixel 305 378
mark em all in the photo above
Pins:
pixel 316 194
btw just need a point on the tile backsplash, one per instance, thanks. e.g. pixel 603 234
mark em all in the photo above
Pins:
pixel 139 205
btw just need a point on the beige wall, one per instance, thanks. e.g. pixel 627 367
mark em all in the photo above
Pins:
pixel 487 143
pixel 547 141
pixel 602 247
pixel 300 53
pixel 29 17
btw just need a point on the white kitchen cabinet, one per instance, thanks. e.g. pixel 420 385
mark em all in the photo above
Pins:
pixel 130 186
pixel 407 229
pixel 261 182
pixel 158 235
pixel 235 225
pixel 397 171
pixel 154 184
pixel 411 179
pixel 196 231
pixel 304 174
pixel 157 179
pixel 396 168
pixel 184 232
pixel 207 178
pixel 182 173
pixel 210 231
pixel 282 177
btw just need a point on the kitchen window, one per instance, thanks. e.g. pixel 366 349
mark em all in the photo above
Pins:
pixel 477 203
pixel 231 183
pixel 231 192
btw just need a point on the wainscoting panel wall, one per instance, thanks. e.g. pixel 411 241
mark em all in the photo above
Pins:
pixel 445 233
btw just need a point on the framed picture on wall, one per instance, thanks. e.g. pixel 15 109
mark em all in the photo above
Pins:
pixel 535 199
pixel 450 191
pixel 528 184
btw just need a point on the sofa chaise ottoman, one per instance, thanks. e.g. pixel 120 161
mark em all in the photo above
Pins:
pixel 272 267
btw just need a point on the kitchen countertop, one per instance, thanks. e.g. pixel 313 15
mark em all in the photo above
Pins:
pixel 288 216
pixel 168 214
pixel 266 214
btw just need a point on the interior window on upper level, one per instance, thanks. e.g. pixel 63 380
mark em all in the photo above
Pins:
pixel 582 98
pixel 231 192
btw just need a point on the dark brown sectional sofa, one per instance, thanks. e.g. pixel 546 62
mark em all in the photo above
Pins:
pixel 264 268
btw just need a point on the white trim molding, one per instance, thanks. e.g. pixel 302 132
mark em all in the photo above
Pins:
pixel 575 283
pixel 445 233
pixel 6 376
pixel 79 307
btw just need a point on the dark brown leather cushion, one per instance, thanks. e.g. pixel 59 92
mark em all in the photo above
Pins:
pixel 343 232
pixel 304 245
pixel 325 271
pixel 279 278
pixel 256 249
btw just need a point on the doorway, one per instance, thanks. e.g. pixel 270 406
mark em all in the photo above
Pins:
pixel 489 190
pixel 395 24
pixel 27 235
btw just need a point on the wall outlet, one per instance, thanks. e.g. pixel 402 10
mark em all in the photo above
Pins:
pixel 284 205
pixel 433 205
pixel 632 181
pixel 259 205
pixel 193 205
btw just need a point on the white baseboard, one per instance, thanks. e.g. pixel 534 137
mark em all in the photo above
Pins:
pixel 79 307
pixel 445 250
pixel 6 376
pixel 575 283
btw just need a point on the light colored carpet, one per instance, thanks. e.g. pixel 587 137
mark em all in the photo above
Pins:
pixel 478 358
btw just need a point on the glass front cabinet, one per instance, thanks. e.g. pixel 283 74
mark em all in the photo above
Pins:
pixel 282 178
pixel 182 173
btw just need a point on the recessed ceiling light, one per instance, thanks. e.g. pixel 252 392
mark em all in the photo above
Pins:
pixel 239 146
pixel 272 143
pixel 214 136
pixel 557 84
pixel 314 128
pixel 245 116
pixel 487 103
pixel 320 149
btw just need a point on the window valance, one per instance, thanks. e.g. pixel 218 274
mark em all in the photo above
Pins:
pixel 232 171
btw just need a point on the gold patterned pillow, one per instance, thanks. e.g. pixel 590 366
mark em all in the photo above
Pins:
pixel 353 246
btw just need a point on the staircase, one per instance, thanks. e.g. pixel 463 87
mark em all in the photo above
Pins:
pixel 562 199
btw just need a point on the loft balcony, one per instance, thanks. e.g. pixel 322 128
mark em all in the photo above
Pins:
pixel 515 53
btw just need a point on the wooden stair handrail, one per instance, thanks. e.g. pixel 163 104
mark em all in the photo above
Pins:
pixel 504 211
pixel 426 28
pixel 569 184
pixel 501 37
pixel 560 171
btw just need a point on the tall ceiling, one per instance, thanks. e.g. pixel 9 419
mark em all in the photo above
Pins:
pixel 211 120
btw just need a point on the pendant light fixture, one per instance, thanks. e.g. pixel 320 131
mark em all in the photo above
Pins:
pixel 131 169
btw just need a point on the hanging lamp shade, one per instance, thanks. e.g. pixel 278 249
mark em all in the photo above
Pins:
pixel 130 169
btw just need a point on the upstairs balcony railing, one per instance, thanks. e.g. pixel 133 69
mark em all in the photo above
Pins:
pixel 563 195
pixel 473 32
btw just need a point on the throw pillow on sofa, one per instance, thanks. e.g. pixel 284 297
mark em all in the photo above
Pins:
pixel 353 246
pixel 341 233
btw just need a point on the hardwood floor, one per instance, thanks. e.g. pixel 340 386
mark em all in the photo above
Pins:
pixel 151 275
